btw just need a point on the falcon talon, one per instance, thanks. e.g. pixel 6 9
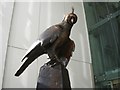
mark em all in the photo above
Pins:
pixel 48 58
pixel 53 65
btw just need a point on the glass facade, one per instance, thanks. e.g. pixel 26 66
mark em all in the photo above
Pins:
pixel 103 22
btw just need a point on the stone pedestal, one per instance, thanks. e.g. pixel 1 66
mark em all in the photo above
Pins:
pixel 53 77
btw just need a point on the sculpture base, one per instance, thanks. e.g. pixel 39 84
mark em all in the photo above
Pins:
pixel 53 77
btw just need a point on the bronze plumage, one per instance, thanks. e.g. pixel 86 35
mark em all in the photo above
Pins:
pixel 54 41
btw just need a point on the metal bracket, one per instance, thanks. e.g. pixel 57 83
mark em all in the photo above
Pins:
pixel 109 17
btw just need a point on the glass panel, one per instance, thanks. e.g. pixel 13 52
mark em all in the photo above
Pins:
pixel 104 40
pixel 98 11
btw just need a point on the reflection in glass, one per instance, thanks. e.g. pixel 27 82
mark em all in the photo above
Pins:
pixel 103 22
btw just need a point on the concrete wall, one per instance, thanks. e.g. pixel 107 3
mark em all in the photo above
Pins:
pixel 6 11
pixel 29 20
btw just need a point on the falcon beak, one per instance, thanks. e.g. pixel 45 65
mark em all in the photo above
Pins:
pixel 72 9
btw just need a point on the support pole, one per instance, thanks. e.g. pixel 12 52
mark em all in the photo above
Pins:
pixel 56 76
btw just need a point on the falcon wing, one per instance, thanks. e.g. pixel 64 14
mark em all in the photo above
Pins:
pixel 35 51
pixel 40 46
pixel 48 37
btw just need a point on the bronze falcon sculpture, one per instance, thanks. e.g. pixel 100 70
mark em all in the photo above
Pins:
pixel 54 42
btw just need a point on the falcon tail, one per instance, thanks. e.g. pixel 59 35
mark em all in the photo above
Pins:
pixel 35 51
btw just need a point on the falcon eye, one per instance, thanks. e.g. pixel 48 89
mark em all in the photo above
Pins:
pixel 72 20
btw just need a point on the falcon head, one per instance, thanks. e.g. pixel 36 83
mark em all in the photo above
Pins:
pixel 71 18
